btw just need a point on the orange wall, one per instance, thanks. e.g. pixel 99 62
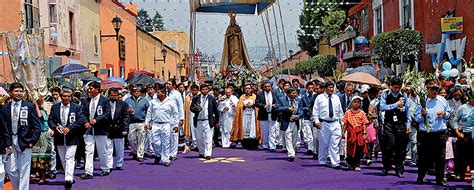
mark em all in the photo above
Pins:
pixel 8 23
pixel 110 58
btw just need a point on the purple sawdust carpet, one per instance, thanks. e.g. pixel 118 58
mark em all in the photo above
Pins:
pixel 243 169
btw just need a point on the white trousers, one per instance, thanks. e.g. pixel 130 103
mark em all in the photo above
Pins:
pixel 52 168
pixel 18 168
pixel 314 132
pixel 269 133
pixel 148 146
pixel 161 141
pixel 329 137
pixel 66 155
pixel 193 135
pixel 308 134
pixel 174 140
pixel 280 134
pixel 100 142
pixel 291 138
pixel 204 138
pixel 118 145
pixel 2 172
pixel 136 136
pixel 343 146
pixel 225 137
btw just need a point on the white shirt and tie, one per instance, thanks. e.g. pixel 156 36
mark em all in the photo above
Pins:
pixel 15 109
pixel 203 114
pixel 93 106
pixel 64 114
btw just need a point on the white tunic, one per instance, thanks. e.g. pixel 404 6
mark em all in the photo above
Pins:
pixel 248 120
pixel 227 117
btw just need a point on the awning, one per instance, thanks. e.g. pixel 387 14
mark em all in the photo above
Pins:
pixel 224 6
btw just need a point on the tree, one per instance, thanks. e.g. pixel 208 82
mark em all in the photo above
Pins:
pixel 324 65
pixel 150 24
pixel 332 23
pixel 391 46
pixel 310 16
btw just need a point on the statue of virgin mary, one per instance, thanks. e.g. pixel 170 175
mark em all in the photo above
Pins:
pixel 234 55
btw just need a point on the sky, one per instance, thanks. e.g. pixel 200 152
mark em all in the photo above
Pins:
pixel 210 28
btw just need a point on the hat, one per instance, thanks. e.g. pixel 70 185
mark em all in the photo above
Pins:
pixel 364 88
pixel 356 97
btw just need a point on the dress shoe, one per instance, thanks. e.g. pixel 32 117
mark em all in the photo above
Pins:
pixel 315 156
pixel 166 164
pixel 442 183
pixel 420 181
pixel 140 159
pixel 173 158
pixel 52 176
pixel 104 173
pixel 201 156
pixel 208 157
pixel 118 168
pixel 41 182
pixel 272 150
pixel 384 172
pixel 157 160
pixel 337 167
pixel 86 176
pixel 291 159
pixel 357 169
pixel 400 175
pixel 284 151
pixel 309 152
pixel 368 163
pixel 68 184
pixel 233 145
pixel 134 156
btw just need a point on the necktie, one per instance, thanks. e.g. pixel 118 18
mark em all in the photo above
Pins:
pixel 348 101
pixel 93 109
pixel 112 109
pixel 15 118
pixel 63 116
pixel 331 111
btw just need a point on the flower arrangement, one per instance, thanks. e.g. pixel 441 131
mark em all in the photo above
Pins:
pixel 238 77
pixel 416 82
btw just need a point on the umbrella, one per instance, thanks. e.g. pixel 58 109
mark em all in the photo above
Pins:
pixel 287 78
pixel 91 78
pixel 3 92
pixel 117 79
pixel 133 73
pixel 159 80
pixel 140 79
pixel 110 84
pixel 72 68
pixel 360 77
pixel 361 40
pixel 369 68
pixel 64 83
pixel 320 79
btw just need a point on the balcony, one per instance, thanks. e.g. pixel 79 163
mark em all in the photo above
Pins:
pixel 343 37
pixel 355 54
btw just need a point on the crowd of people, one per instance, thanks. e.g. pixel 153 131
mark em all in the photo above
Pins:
pixel 340 124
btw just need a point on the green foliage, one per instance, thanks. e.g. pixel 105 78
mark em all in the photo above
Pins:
pixel 150 24
pixel 332 23
pixel 389 46
pixel 324 65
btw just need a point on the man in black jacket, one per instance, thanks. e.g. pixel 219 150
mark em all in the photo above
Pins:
pixel 206 116
pixel 5 143
pixel 118 128
pixel 24 127
pixel 67 120
pixel 267 116
pixel 96 109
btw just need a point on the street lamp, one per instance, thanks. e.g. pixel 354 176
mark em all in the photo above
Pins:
pixel 164 52
pixel 117 23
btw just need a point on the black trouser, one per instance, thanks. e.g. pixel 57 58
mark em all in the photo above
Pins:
pixel 215 137
pixel 464 154
pixel 355 161
pixel 431 150
pixel 393 146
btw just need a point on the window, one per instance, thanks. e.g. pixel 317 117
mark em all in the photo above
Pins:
pixel 122 72
pixel 71 28
pixel 406 15
pixel 364 25
pixel 31 14
pixel 378 20
pixel 96 44
pixel 53 14
pixel 122 48
pixel 110 72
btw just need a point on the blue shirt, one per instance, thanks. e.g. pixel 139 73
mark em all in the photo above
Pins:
pixel 433 107
pixel 465 114
pixel 384 107
pixel 139 106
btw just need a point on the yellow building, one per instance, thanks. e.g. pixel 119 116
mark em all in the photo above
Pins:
pixel 90 35
pixel 150 58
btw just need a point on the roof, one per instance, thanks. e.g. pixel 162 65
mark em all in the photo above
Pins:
pixel 224 6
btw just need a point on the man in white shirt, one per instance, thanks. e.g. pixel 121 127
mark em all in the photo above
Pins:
pixel 327 112
pixel 160 115
pixel 227 109
pixel 178 118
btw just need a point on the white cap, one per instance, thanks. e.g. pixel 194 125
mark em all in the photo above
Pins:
pixel 364 88
pixel 356 97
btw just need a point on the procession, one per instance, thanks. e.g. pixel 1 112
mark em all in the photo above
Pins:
pixel 352 108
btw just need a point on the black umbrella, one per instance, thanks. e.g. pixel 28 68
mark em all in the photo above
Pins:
pixel 91 78
pixel 140 79
pixel 64 84
pixel 370 69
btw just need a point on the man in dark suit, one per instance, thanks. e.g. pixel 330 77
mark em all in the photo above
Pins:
pixel 96 109
pixel 291 111
pixel 24 127
pixel 307 100
pixel 118 128
pixel 206 116
pixel 67 120
pixel 267 116
pixel 345 98
pixel 5 143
